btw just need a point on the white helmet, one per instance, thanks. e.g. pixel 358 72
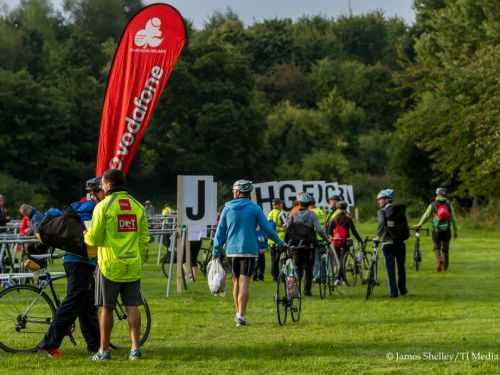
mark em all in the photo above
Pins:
pixel 243 186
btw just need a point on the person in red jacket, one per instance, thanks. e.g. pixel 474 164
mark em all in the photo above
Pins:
pixel 339 229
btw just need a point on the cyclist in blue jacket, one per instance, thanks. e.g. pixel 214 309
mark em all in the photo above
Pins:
pixel 237 232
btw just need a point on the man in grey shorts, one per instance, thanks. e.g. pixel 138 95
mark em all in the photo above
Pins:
pixel 119 229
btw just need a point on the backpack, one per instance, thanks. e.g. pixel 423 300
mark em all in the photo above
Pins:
pixel 64 232
pixel 396 222
pixel 300 234
pixel 340 235
pixel 442 215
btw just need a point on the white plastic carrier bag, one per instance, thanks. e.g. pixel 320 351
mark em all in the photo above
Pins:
pixel 216 277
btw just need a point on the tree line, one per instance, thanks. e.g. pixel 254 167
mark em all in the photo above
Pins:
pixel 366 100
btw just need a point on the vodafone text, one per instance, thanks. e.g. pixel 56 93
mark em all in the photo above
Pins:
pixel 135 120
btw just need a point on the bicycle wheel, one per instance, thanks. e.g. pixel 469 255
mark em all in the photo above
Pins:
pixel 120 337
pixel 281 300
pixel 330 274
pixel 372 280
pixel 296 304
pixel 25 316
pixel 322 278
pixel 350 271
pixel 165 266
pixel 417 257
pixel 365 265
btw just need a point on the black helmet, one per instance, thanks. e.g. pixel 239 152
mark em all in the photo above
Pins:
pixel 334 198
pixel 94 184
pixel 342 205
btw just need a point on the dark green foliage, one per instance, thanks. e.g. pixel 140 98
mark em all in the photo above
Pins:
pixel 316 98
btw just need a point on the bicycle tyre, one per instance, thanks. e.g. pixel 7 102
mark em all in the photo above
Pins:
pixel 296 304
pixel 331 275
pixel 12 339
pixel 322 278
pixel 164 267
pixel 350 274
pixel 120 337
pixel 365 265
pixel 416 256
pixel 372 280
pixel 281 300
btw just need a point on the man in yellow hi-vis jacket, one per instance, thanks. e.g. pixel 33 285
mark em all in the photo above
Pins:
pixel 119 229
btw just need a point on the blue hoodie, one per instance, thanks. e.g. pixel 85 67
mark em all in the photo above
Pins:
pixel 237 228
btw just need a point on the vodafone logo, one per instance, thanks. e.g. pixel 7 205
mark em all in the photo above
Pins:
pixel 150 36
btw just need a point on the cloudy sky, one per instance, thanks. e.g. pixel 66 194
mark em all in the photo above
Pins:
pixel 256 10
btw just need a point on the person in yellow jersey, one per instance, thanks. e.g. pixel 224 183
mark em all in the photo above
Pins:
pixel 166 211
pixel 119 228
pixel 277 216
pixel 320 214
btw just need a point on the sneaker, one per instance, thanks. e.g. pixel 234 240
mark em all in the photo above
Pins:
pixel 101 356
pixel 240 321
pixel 135 354
pixel 53 353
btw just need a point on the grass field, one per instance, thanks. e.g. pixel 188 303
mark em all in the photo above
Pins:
pixel 448 324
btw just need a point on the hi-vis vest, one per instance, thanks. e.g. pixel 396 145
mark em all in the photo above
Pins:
pixel 276 216
pixel 321 218
pixel 119 228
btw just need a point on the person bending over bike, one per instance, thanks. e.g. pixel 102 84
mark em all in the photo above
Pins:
pixel 392 232
pixel 443 217
pixel 237 231
pixel 79 300
pixel 339 229
pixel 301 231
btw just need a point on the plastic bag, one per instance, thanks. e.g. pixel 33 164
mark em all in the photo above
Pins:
pixel 216 277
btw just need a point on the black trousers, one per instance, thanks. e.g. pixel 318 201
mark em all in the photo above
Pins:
pixel 260 267
pixel 395 255
pixel 78 303
pixel 275 264
pixel 441 240
pixel 304 261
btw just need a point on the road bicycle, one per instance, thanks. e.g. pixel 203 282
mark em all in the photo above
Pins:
pixel 26 312
pixel 373 269
pixel 327 270
pixel 417 250
pixel 356 262
pixel 288 295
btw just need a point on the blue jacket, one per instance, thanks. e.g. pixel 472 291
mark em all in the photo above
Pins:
pixel 237 228
pixel 84 210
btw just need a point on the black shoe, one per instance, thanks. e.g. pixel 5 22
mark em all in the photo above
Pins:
pixel 404 292
pixel 261 278
pixel 307 293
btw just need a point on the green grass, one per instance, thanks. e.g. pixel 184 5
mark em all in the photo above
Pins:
pixel 193 333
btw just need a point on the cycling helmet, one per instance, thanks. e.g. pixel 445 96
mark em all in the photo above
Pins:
pixel 386 193
pixel 94 184
pixel 243 186
pixel 441 191
pixel 342 205
pixel 305 198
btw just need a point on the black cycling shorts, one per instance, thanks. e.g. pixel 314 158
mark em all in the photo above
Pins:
pixel 243 266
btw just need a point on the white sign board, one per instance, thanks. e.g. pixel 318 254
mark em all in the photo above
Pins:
pixel 287 191
pixel 197 204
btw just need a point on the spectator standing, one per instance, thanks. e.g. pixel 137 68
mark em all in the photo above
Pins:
pixel 119 229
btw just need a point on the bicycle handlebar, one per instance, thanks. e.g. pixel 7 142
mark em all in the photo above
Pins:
pixel 417 230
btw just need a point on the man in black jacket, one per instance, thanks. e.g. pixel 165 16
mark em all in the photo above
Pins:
pixel 393 246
